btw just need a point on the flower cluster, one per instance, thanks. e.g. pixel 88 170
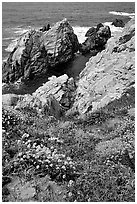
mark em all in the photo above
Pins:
pixel 43 156
pixel 8 120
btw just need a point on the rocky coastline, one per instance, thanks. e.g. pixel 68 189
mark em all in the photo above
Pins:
pixel 105 78
pixel 70 140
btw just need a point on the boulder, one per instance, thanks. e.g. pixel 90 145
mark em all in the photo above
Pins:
pixel 109 74
pixel 48 106
pixel 63 89
pixel 37 51
pixel 10 99
pixel 96 39
pixel 118 23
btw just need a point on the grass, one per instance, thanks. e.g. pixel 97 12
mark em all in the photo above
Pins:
pixel 83 159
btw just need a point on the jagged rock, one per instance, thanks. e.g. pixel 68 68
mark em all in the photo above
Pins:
pixel 109 74
pixel 52 98
pixel 36 51
pixel 62 88
pixel 118 23
pixel 97 38
pixel 91 32
pixel 60 42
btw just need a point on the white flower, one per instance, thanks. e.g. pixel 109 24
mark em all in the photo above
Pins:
pixel 68 158
pixel 65 162
pixel 63 167
pixel 69 194
pixel 70 183
pixel 47 161
pixel 37 167
pixel 51 165
pixel 64 176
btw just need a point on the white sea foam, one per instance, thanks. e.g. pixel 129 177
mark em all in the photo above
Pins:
pixel 112 27
pixel 12 45
pixel 80 32
pixel 131 15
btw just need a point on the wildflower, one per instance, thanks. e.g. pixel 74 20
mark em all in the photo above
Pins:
pixel 51 147
pixel 63 167
pixel 70 183
pixel 37 167
pixel 65 162
pixel 68 158
pixel 48 161
pixel 28 146
pixel 59 160
pixel 69 194
pixel 24 156
pixel 51 165
pixel 70 163
pixel 64 196
pixel 20 154
pixel 64 176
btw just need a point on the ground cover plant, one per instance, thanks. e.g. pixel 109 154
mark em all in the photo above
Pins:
pixel 83 159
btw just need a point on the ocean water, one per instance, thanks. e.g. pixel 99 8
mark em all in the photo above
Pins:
pixel 18 17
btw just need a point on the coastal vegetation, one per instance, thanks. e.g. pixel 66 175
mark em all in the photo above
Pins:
pixel 71 159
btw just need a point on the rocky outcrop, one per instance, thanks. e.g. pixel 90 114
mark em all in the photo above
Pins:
pixel 37 51
pixel 10 99
pixel 48 106
pixel 53 98
pixel 62 88
pixel 109 74
pixel 118 23
pixel 96 39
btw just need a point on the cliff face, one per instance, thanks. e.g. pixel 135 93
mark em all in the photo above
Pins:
pixel 108 75
pixel 36 51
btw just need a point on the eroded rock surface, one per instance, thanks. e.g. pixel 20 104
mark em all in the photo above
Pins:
pixel 109 74
pixel 37 51
pixel 62 88
pixel 96 39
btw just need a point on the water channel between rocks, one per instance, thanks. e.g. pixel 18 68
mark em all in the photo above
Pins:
pixel 72 69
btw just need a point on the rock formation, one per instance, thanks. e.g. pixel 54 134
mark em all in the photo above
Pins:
pixel 37 51
pixel 118 23
pixel 109 74
pixel 62 88
pixel 96 39
pixel 48 106
pixel 53 98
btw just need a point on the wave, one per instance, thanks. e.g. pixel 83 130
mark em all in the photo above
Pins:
pixel 131 15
